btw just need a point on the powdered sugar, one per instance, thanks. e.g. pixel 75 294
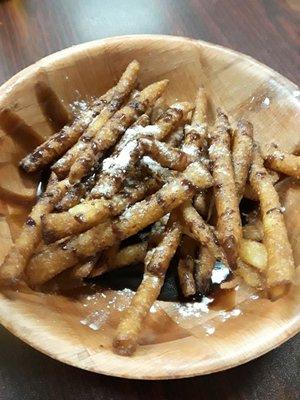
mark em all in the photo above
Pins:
pixel 136 132
pixel 121 162
pixel 190 149
pixel 194 309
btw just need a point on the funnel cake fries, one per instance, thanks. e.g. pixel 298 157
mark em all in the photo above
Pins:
pixel 59 143
pixel 133 146
pixel 77 192
pixel 229 221
pixel 156 265
pixel 281 268
pixel 195 143
pixel 129 255
pixel 137 181
pixel 91 212
pixel 56 257
pixel 121 92
pixel 203 270
pixel 116 126
pixel 30 236
pixel 250 275
pixel 281 161
pixel 242 154
pixel 201 231
pixel 186 266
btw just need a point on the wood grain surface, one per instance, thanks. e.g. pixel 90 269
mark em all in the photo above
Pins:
pixel 32 29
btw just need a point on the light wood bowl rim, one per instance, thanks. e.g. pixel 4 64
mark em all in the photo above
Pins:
pixel 290 330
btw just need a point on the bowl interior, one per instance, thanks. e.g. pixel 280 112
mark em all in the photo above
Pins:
pixel 178 340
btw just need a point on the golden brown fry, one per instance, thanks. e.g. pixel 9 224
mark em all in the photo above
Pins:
pixel 201 106
pixel 203 270
pixel 195 144
pixel 30 236
pixel 253 253
pixel 281 267
pixel 195 140
pixel 91 212
pixel 77 192
pixel 201 202
pixel 170 119
pixel 122 162
pixel 242 154
pixel 121 91
pixel 250 275
pixel 56 257
pixel 63 140
pixel 115 127
pixel 281 161
pixel 249 192
pixel 186 266
pixel 129 255
pixel 165 155
pixel 200 230
pixel 226 200
pixel 129 328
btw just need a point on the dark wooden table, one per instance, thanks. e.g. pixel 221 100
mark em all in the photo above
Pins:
pixel 31 29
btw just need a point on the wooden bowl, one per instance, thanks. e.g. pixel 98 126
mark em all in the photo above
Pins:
pixel 178 340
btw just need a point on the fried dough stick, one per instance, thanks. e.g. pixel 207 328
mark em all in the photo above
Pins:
pixel 165 124
pixel 242 154
pixel 171 118
pixel 250 275
pixel 203 270
pixel 131 254
pixel 200 230
pixel 229 221
pixel 30 236
pixel 284 162
pixel 56 257
pixel 165 155
pixel 111 179
pixel 115 127
pixel 122 91
pixel 76 192
pixel 186 266
pixel 195 142
pixel 91 212
pixel 249 192
pixel 158 261
pixel 200 113
pixel 253 253
pixel 63 140
pixel 281 267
